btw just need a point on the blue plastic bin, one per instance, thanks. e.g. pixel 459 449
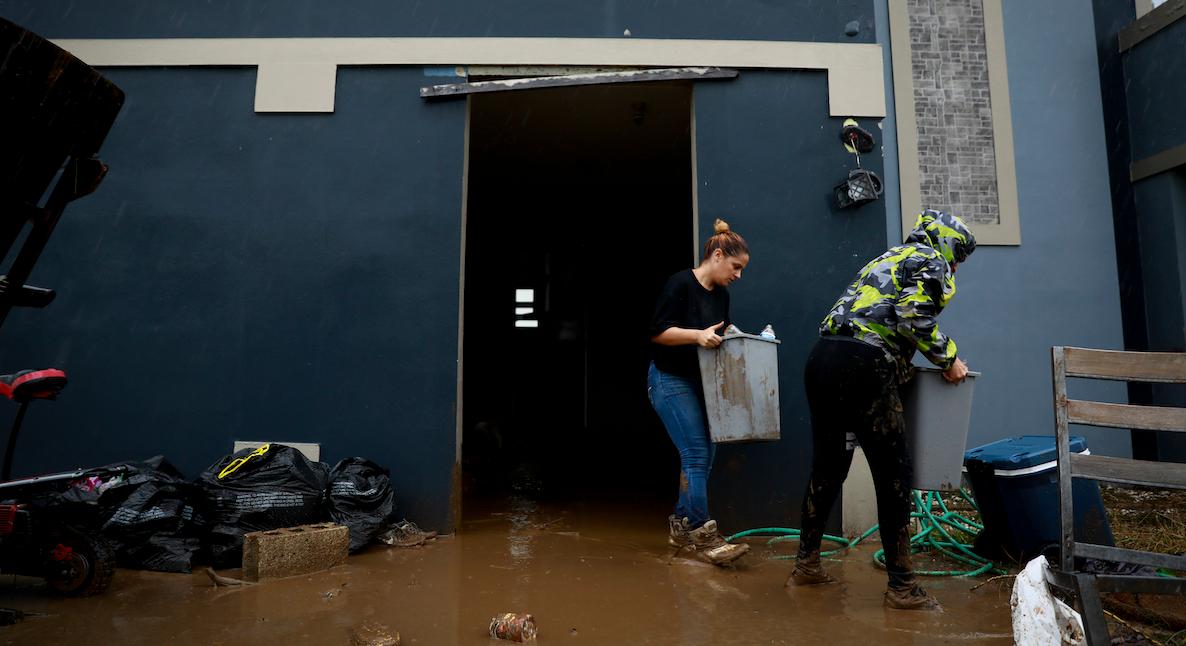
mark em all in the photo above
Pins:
pixel 1015 483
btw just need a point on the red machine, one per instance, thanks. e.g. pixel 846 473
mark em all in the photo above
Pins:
pixel 57 111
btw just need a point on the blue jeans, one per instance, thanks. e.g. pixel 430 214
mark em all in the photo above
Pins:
pixel 680 404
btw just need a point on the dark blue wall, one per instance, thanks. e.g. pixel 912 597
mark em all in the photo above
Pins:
pixel 766 163
pixel 1155 71
pixel 244 276
pixel 1145 98
pixel 295 277
pixel 1161 223
pixel 1161 214
pixel 809 20
pixel 1155 84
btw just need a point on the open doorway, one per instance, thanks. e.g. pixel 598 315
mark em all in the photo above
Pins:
pixel 579 206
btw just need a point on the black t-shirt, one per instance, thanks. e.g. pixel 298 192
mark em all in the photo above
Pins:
pixel 684 303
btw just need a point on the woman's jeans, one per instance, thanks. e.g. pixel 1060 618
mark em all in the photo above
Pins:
pixel 680 404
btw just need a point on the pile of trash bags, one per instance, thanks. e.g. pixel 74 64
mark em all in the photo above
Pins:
pixel 360 498
pixel 147 510
pixel 156 519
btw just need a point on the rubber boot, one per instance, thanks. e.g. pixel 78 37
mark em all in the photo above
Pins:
pixel 712 547
pixel 808 571
pixel 678 535
pixel 912 597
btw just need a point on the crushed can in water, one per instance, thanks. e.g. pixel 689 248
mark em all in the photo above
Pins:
pixel 513 627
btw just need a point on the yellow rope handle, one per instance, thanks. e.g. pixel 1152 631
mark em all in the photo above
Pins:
pixel 238 462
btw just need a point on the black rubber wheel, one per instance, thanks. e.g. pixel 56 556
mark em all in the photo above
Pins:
pixel 86 571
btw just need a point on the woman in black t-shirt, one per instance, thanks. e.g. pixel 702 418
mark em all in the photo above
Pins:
pixel 690 312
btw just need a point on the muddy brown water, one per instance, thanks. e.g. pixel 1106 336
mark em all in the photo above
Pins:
pixel 590 576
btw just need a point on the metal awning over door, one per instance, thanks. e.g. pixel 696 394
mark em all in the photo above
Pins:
pixel 541 78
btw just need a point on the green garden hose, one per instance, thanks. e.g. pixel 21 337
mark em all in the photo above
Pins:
pixel 935 522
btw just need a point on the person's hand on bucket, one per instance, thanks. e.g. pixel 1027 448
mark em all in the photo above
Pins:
pixel 707 338
pixel 957 372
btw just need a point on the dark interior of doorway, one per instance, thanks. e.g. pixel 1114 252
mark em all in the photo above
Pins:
pixel 579 208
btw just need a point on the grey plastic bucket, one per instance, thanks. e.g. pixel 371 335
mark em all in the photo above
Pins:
pixel 741 389
pixel 938 415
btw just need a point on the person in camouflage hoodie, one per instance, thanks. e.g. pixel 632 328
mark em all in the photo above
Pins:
pixel 852 377
pixel 894 300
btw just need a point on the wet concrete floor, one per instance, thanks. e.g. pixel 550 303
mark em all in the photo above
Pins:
pixel 589 575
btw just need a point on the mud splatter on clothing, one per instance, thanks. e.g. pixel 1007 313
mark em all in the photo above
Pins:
pixel 852 387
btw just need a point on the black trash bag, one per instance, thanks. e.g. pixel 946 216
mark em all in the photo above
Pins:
pixel 148 512
pixel 70 503
pixel 360 497
pixel 278 488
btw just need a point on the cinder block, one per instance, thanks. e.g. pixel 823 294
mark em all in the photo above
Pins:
pixel 294 551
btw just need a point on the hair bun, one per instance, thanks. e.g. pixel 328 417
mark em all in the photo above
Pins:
pixel 720 226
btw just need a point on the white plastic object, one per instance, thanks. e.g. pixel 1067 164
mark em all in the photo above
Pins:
pixel 1038 617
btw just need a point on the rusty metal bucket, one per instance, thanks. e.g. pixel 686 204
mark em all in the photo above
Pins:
pixel 741 389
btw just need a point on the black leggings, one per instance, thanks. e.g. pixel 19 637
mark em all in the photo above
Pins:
pixel 853 387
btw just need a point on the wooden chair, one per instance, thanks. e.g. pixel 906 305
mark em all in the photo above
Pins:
pixel 1159 367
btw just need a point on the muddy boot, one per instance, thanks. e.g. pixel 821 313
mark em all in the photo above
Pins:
pixel 808 571
pixel 678 536
pixel 910 598
pixel 405 533
pixel 712 547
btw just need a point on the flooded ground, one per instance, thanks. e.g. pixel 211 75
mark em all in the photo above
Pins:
pixel 589 575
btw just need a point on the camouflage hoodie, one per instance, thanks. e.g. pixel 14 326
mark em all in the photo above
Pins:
pixel 894 300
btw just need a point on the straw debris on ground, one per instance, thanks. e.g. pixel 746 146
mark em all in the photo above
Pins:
pixel 1152 520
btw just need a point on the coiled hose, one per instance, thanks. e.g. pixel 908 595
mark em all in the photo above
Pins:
pixel 935 522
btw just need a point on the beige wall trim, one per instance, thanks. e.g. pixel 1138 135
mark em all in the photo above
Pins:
pixel 1008 230
pixel 477 72
pixel 1151 21
pixel 1168 159
pixel 910 183
pixel 855 86
pixel 1143 7
pixel 295 87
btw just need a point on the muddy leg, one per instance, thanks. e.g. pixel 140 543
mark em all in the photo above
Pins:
pixel 889 462
pixel 828 472
pixel 828 394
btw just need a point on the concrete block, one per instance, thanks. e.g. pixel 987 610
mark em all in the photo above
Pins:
pixel 293 551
